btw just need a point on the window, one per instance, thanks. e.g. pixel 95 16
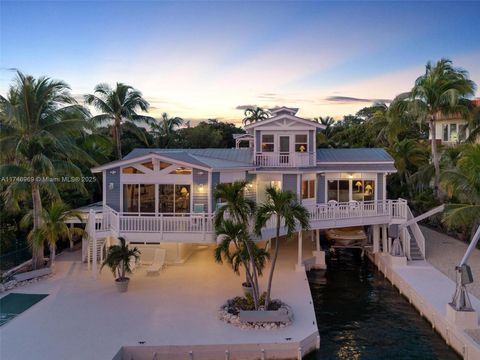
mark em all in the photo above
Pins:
pixel 338 190
pixel 130 198
pixel 131 170
pixel 164 165
pixel 453 132
pixel 182 171
pixel 277 184
pixel 308 189
pixel 147 198
pixel 462 132
pixel 173 198
pixel 363 190
pixel 148 164
pixel 301 143
pixel 268 143
pixel 445 132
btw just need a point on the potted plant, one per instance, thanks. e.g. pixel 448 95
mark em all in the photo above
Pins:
pixel 119 259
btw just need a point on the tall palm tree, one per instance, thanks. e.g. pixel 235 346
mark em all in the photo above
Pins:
pixel 246 253
pixel 443 89
pixel 240 209
pixel 164 129
pixel 283 206
pixel 408 156
pixel 39 121
pixel 255 114
pixel 463 182
pixel 328 121
pixel 118 106
pixel 54 227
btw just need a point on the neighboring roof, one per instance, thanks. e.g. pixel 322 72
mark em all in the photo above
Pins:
pixel 364 155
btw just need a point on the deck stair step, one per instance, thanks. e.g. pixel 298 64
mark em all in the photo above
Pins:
pixel 415 253
pixel 100 248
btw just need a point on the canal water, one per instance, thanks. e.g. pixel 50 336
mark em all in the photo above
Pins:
pixel 360 315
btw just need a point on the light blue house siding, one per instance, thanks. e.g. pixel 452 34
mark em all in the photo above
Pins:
pixel 311 134
pixel 289 182
pixel 258 142
pixel 321 197
pixel 112 178
pixel 215 182
pixel 200 177
pixel 380 194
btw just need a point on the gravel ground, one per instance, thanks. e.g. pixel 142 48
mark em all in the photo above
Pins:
pixel 445 252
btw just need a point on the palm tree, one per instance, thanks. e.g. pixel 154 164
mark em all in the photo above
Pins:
pixel 240 209
pixel 237 234
pixel 256 114
pixel 443 89
pixel 284 207
pixel 39 121
pixel 463 182
pixel 164 129
pixel 328 121
pixel 118 106
pixel 54 227
pixel 408 156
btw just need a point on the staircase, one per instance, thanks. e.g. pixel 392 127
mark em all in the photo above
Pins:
pixel 100 250
pixel 415 252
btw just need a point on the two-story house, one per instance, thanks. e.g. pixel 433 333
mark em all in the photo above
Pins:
pixel 165 197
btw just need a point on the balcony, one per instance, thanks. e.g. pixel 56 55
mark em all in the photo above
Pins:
pixel 285 160
pixel 199 228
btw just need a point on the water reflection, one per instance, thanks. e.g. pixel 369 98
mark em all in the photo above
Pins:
pixel 362 316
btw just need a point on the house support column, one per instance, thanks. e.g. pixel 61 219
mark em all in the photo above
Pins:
pixel 318 253
pixel 299 266
pixel 384 239
pixel 376 239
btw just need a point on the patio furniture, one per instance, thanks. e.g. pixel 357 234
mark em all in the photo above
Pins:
pixel 158 261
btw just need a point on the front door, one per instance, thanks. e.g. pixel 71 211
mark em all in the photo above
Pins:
pixel 284 149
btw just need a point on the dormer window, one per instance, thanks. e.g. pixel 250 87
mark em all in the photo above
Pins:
pixel 301 144
pixel 268 143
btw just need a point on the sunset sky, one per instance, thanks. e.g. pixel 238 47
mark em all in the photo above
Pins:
pixel 203 60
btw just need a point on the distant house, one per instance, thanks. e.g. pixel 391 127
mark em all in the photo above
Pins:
pixel 452 129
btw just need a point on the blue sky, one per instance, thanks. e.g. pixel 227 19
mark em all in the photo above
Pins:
pixel 205 59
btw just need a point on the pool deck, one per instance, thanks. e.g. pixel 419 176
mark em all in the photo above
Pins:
pixel 83 318
pixel 429 290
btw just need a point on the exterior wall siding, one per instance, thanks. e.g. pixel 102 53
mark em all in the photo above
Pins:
pixel 380 185
pixel 321 196
pixel 258 142
pixel 311 135
pixel 289 182
pixel 112 176
pixel 200 177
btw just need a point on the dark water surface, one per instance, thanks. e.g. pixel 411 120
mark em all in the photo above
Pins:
pixel 360 315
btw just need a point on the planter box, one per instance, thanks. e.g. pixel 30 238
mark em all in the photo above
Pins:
pixel 32 274
pixel 258 316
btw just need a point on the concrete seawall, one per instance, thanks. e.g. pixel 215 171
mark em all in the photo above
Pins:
pixel 429 291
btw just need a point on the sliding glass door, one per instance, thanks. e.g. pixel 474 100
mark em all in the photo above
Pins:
pixel 173 198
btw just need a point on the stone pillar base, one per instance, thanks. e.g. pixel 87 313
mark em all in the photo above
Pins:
pixel 462 319
pixel 397 260
pixel 319 260
pixel 299 267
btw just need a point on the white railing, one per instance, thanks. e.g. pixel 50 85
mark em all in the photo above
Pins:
pixel 124 222
pixel 358 209
pixel 294 159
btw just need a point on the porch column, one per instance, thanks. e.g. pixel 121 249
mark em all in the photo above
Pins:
pixel 299 266
pixel 384 239
pixel 376 239
pixel 318 253
pixel 209 192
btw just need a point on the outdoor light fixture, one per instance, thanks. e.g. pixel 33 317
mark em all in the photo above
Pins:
pixel 350 176
pixel 113 172
pixel 111 186
pixel 200 187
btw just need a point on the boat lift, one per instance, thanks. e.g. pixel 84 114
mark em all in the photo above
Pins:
pixel 460 299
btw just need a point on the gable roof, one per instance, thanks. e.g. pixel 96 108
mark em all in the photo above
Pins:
pixel 285 116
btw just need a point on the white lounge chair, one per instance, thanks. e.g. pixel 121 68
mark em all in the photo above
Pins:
pixel 158 261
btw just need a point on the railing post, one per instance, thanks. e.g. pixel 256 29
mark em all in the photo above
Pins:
pixel 92 222
pixel 161 226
